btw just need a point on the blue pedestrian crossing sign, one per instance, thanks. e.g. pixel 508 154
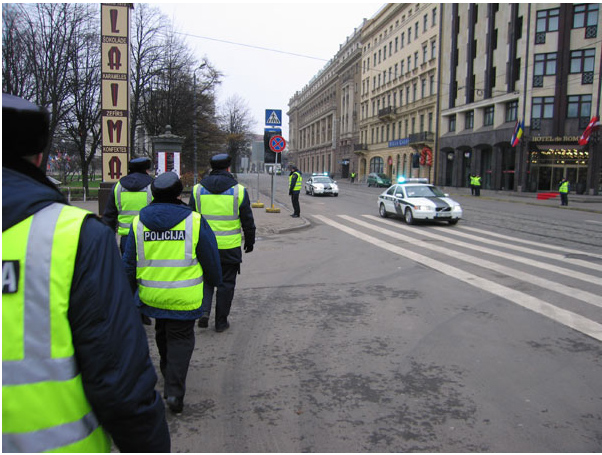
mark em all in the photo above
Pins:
pixel 273 117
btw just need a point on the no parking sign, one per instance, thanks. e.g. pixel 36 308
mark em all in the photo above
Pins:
pixel 277 144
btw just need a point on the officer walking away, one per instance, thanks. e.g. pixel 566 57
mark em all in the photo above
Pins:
pixel 171 254
pixel 76 370
pixel 563 189
pixel 130 194
pixel 295 181
pixel 226 206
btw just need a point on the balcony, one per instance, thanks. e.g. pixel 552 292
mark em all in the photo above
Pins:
pixel 387 114
pixel 421 138
pixel 360 147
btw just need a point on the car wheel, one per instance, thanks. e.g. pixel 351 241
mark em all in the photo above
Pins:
pixel 409 216
pixel 336 194
pixel 306 191
pixel 452 222
pixel 382 211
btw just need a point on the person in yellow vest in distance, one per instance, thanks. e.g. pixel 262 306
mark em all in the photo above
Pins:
pixel 227 207
pixel 76 370
pixel 129 195
pixel 563 189
pixel 295 182
pixel 170 255
pixel 477 184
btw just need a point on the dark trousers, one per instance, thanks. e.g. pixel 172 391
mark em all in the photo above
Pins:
pixel 564 198
pixel 295 202
pixel 224 294
pixel 477 190
pixel 175 341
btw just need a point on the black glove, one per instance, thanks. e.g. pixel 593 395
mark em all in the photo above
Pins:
pixel 290 193
pixel 248 247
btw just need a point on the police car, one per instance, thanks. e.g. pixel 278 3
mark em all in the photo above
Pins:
pixel 321 184
pixel 416 199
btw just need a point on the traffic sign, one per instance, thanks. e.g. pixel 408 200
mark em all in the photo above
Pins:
pixel 273 117
pixel 277 144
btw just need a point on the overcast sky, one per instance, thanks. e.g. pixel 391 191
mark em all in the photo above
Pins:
pixel 296 42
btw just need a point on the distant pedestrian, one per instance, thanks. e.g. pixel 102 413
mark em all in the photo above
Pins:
pixel 171 254
pixel 471 182
pixel 477 185
pixel 352 177
pixel 295 181
pixel 563 189
pixel 226 205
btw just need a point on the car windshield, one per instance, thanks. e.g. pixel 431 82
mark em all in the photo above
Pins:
pixel 382 176
pixel 322 180
pixel 423 191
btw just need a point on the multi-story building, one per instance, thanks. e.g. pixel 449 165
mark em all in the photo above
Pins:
pixel 533 63
pixel 323 119
pixel 399 91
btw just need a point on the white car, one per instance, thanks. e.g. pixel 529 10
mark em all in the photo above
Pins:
pixel 320 184
pixel 418 201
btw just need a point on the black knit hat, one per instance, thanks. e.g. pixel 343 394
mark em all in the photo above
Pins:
pixel 221 161
pixel 25 127
pixel 139 164
pixel 166 187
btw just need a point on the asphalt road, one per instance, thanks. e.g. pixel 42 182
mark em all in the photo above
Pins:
pixel 362 334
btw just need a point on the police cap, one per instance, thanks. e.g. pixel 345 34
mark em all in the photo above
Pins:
pixel 25 127
pixel 139 164
pixel 166 187
pixel 220 161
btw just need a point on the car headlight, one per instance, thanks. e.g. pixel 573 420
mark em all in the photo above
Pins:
pixel 456 208
pixel 334 187
pixel 319 186
pixel 425 208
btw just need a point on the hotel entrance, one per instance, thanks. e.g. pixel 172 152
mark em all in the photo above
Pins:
pixel 550 166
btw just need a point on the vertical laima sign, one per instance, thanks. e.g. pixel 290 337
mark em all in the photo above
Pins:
pixel 115 61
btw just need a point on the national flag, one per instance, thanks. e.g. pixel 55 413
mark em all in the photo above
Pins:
pixel 518 132
pixel 592 126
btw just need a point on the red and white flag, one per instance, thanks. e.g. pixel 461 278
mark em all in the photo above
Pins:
pixel 593 125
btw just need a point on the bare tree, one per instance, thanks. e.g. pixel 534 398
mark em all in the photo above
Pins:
pixel 149 29
pixel 16 70
pixel 236 122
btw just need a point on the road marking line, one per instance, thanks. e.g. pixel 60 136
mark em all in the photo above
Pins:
pixel 565 317
pixel 527 242
pixel 541 265
pixel 575 293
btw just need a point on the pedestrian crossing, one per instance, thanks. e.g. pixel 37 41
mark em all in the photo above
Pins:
pixel 487 260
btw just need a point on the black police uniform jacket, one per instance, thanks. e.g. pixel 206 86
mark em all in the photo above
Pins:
pixel 218 181
pixel 118 376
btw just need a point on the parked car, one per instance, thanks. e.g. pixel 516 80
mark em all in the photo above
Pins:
pixel 418 201
pixel 320 184
pixel 378 180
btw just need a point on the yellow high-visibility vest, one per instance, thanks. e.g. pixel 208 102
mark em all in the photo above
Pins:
pixel 222 212
pixel 44 407
pixel 129 204
pixel 168 272
pixel 298 182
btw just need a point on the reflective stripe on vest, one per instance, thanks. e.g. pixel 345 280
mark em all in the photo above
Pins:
pixel 129 203
pixel 44 406
pixel 298 182
pixel 221 211
pixel 168 273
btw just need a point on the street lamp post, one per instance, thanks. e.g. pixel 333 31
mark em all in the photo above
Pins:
pixel 194 126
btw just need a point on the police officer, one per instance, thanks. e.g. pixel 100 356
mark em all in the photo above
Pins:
pixel 129 195
pixel 294 188
pixel 563 189
pixel 477 185
pixel 227 207
pixel 171 254
pixel 75 361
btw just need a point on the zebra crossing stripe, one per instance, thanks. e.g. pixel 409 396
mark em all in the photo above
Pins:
pixel 560 315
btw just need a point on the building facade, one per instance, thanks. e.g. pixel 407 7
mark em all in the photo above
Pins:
pixel 442 99
pixel 534 63
pixel 399 91
pixel 323 117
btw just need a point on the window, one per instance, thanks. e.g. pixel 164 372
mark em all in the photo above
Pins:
pixel 426 23
pixel 402 66
pixel 542 107
pixel 469 120
pixel 403 35
pixel 425 53
pixel 489 115
pixel 432 84
pixel 512 111
pixel 547 20
pixel 416 59
pixel 430 122
pixel 377 165
pixel 396 68
pixel 414 91
pixel 434 17
pixel 585 15
pixel 452 123
pixel 396 43
pixel 579 106
pixel 423 88
pixel 545 64
pixel 409 35
pixel 582 61
pixel 409 63
pixel 433 49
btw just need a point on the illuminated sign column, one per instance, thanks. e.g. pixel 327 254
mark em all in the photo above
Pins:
pixel 115 30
